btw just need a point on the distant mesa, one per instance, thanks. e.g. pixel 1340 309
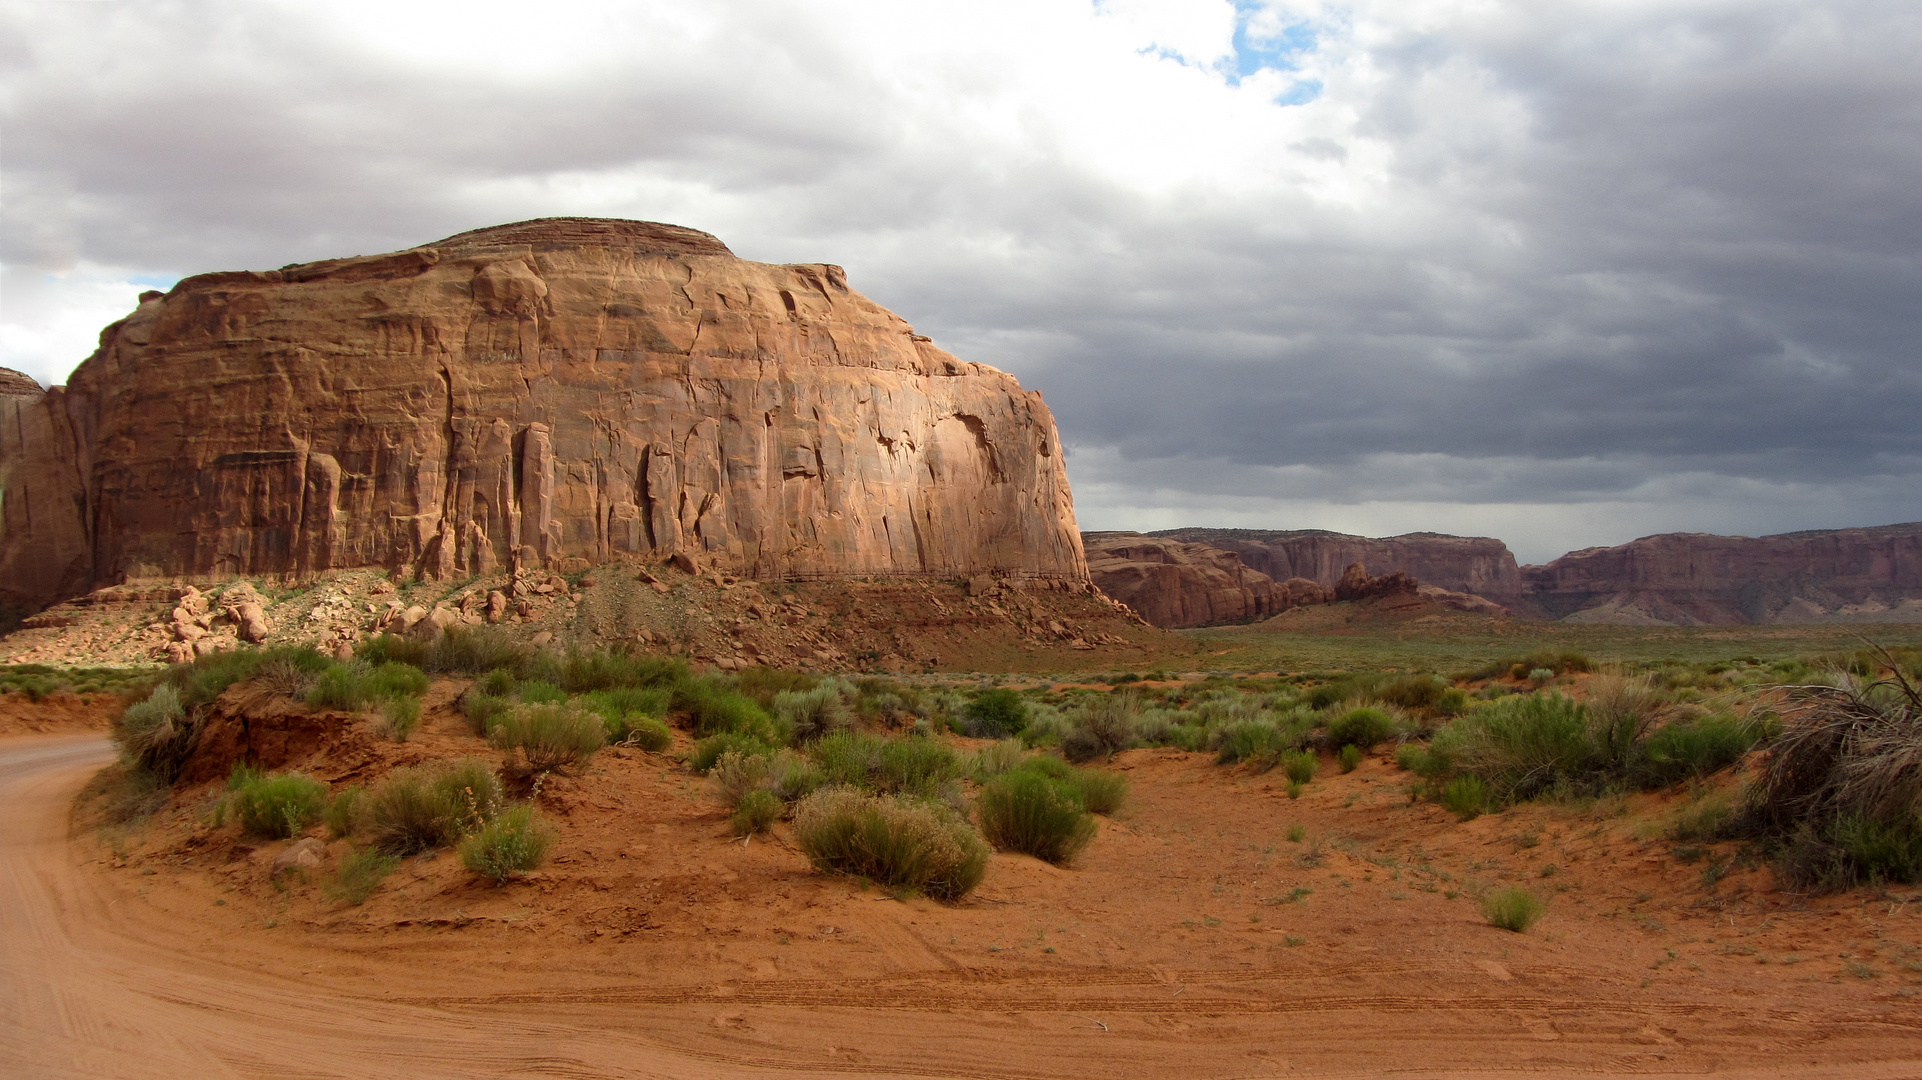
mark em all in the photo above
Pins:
pixel 548 395
pixel 1674 579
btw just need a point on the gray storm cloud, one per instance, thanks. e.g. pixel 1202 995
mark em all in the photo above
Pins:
pixel 1522 269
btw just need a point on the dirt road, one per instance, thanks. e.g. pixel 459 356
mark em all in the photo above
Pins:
pixel 102 979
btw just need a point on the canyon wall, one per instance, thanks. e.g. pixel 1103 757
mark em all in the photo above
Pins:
pixel 1836 575
pixel 1470 564
pixel 1177 585
pixel 548 394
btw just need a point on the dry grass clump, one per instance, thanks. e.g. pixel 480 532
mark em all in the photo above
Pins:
pixel 901 842
pixel 548 738
pixel 156 735
pixel 427 807
pixel 1104 726
pixel 359 875
pixel 1840 795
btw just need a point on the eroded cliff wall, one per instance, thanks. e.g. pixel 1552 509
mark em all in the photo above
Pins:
pixel 1866 575
pixel 552 393
pixel 1472 564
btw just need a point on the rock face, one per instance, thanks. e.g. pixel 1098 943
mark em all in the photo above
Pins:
pixel 1177 585
pixel 1469 564
pixel 1860 575
pixel 550 394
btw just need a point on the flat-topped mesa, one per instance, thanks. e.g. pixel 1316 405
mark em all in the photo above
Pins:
pixel 552 394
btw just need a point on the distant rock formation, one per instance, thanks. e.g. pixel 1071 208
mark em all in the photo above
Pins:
pixel 1836 575
pixel 1177 585
pixel 545 395
pixel 1182 585
pixel 1466 564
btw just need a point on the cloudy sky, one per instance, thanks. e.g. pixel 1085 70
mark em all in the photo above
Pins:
pixel 1564 273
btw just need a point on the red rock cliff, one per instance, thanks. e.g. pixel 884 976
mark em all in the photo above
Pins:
pixel 554 392
pixel 1177 585
pixel 1872 574
pixel 1471 564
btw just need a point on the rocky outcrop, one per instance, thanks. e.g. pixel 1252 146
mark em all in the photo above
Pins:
pixel 1357 584
pixel 1177 585
pixel 540 396
pixel 1468 564
pixel 1839 575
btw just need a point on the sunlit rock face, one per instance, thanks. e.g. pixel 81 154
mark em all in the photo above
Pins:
pixel 553 393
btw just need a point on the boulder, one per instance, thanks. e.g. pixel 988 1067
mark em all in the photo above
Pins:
pixel 304 855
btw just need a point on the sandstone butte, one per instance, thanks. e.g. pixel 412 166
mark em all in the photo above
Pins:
pixel 1480 565
pixel 550 394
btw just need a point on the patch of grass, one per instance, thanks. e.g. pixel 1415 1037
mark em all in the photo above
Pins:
pixel 735 774
pixel 156 735
pixel 1297 833
pixel 709 750
pixel 648 734
pixel 903 843
pixel 1101 792
pixel 359 875
pixel 1026 811
pixel 1513 908
pixel 1705 819
pixel 713 709
pixel 1299 766
pixel 1465 796
pixel 277 806
pixel 548 738
pixel 513 843
pixel 342 815
pixel 757 811
pixel 1363 728
pixel 993 760
pixel 1350 758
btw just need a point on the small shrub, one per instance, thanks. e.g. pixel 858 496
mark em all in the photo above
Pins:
pixel 535 692
pixel 1513 908
pixel 1299 766
pixel 155 735
pixel 709 750
pixel 1707 819
pixel 915 766
pixel 469 649
pixel 279 806
pixel 714 710
pixel 993 760
pixel 548 738
pixel 1465 796
pixel 1541 676
pixel 483 711
pixel 342 686
pixel 1693 749
pixel 848 758
pixel 1103 727
pixel 1028 812
pixel 1350 758
pixel 499 682
pixel 580 672
pixel 791 776
pixel 1882 851
pixel 291 672
pixel 1360 727
pixel 735 774
pixel 757 811
pixel 625 706
pixel 1259 742
pixel 903 843
pixel 399 717
pixel 426 807
pixel 513 843
pixel 996 714
pixel 342 815
pixel 649 734
pixel 359 875
pixel 813 713
pixel 396 681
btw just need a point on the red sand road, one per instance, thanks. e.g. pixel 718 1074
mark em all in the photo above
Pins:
pixel 102 979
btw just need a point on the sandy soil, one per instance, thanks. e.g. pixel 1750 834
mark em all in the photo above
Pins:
pixel 1193 939
pixel 57 714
